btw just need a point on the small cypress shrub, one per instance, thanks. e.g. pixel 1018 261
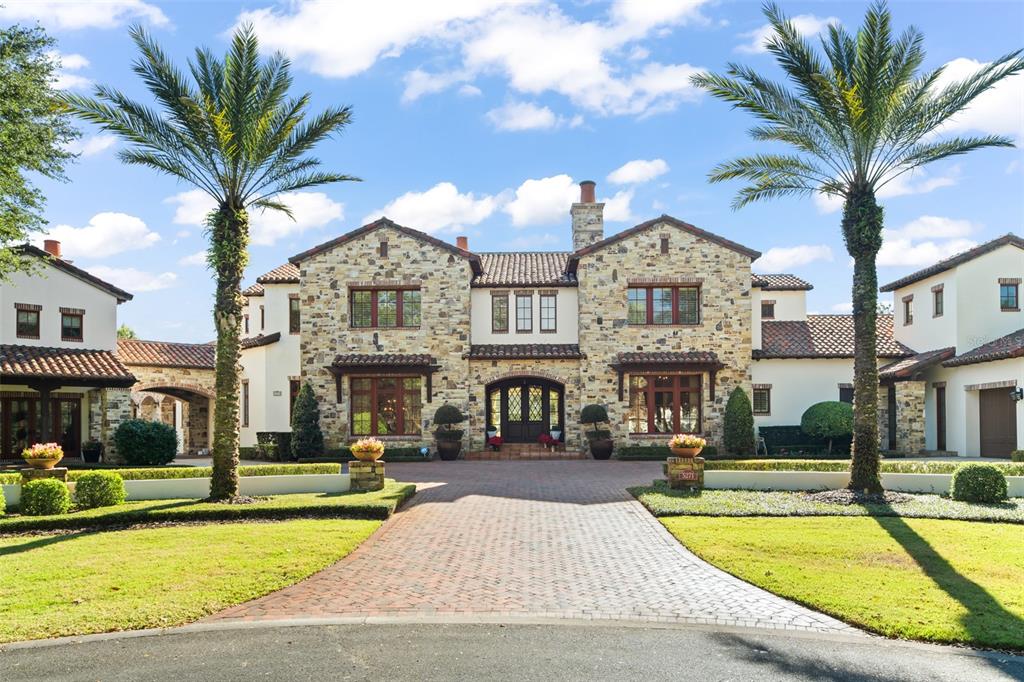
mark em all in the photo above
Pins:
pixel 828 420
pixel 45 497
pixel 145 443
pixel 976 482
pixel 99 489
pixel 307 438
pixel 739 423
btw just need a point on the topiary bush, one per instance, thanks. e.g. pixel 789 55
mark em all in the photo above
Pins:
pixel 145 443
pixel 828 420
pixel 975 482
pixel 595 415
pixel 307 438
pixel 445 418
pixel 99 489
pixel 44 497
pixel 739 423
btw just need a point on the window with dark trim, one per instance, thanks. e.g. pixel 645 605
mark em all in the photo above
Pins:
pixel 663 305
pixel 293 392
pixel 767 310
pixel 762 400
pixel 846 394
pixel 499 313
pixel 245 321
pixel 245 402
pixel 71 326
pixel 263 318
pixel 908 310
pixel 548 313
pixel 938 303
pixel 524 313
pixel 664 403
pixel 294 316
pixel 27 326
pixel 1008 297
pixel 385 307
pixel 385 406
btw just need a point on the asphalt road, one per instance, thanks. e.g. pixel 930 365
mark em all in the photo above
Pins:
pixel 496 652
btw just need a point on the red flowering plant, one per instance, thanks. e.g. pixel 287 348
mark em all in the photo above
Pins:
pixel 546 440
pixel 495 441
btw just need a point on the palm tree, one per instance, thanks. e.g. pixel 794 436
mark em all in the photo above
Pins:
pixel 855 120
pixel 233 132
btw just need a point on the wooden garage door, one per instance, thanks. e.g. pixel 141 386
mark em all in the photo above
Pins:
pixel 998 422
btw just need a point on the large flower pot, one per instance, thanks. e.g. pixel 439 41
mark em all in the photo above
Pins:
pixel 367 455
pixel 42 463
pixel 686 452
pixel 449 449
pixel 602 448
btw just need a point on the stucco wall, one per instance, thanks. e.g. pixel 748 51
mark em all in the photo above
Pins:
pixel 798 384
pixel 566 316
pixel 979 318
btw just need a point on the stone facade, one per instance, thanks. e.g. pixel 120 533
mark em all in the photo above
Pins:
pixel 158 387
pixel 108 407
pixel 910 423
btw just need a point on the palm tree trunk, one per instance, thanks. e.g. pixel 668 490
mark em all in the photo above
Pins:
pixel 862 230
pixel 229 237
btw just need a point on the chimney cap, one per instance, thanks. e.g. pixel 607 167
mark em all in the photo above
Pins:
pixel 587 195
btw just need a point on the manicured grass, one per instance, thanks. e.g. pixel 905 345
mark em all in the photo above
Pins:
pixel 375 505
pixel 661 500
pixel 942 581
pixel 83 583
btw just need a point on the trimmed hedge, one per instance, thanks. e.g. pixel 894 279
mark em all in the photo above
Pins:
pixel 44 497
pixel 99 489
pixel 401 454
pixel 655 453
pixel 887 467
pixel 139 441
pixel 975 482
pixel 204 472
pixel 792 441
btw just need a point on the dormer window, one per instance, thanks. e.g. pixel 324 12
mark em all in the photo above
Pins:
pixel 1009 295
pixel 767 310
pixel 71 324
pixel 27 326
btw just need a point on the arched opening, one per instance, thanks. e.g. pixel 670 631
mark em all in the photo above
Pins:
pixel 520 409
pixel 189 409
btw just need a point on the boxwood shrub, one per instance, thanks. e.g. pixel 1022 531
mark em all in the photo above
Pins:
pixel 44 497
pixel 409 453
pixel 143 442
pixel 975 482
pixel 203 472
pixel 99 489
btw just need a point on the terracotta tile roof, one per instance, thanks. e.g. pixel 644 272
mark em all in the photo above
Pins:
pixel 120 294
pixel 382 360
pixel 538 268
pixel 524 351
pixel 254 290
pixel 261 340
pixel 1009 346
pixel 166 354
pixel 823 336
pixel 282 274
pixel 952 262
pixel 780 282
pixel 694 357
pixel 908 367
pixel 41 362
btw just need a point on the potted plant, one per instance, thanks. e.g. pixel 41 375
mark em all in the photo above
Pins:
pixel 556 432
pixel 495 442
pixel 546 440
pixel 367 449
pixel 92 451
pixel 686 445
pixel 449 439
pixel 600 439
pixel 43 455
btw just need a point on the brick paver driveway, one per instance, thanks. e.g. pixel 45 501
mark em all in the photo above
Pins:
pixel 555 539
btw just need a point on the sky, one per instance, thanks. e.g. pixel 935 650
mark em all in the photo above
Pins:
pixel 478 118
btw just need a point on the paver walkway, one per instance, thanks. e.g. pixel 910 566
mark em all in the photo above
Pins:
pixel 555 539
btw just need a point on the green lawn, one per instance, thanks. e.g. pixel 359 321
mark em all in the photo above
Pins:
pixel 936 580
pixel 81 583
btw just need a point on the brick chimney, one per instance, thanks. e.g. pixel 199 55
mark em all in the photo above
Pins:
pixel 52 247
pixel 587 218
pixel 462 243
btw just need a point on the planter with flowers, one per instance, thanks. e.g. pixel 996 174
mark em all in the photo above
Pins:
pixel 43 455
pixel 367 449
pixel 686 445
pixel 495 442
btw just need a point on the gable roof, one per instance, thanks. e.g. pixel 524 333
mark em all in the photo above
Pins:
pixel 254 290
pixel 473 259
pixel 282 274
pixel 952 262
pixel 537 268
pixel 823 336
pixel 780 282
pixel 662 220
pixel 1003 348
pixel 64 266
pixel 166 354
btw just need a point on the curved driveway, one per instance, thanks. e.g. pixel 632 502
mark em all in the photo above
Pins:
pixel 515 540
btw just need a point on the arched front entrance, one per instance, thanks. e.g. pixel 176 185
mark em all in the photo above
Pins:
pixel 189 409
pixel 522 408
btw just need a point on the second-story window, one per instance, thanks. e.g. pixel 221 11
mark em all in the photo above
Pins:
pixel 385 307
pixel 70 324
pixel 767 310
pixel 548 313
pixel 524 313
pixel 663 305
pixel 27 326
pixel 263 318
pixel 294 319
pixel 938 303
pixel 908 310
pixel 499 313
pixel 1008 296
pixel 245 322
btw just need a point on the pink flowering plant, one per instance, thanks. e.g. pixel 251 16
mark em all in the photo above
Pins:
pixel 686 440
pixel 47 451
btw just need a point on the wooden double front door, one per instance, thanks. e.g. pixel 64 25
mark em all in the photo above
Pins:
pixel 20 425
pixel 520 410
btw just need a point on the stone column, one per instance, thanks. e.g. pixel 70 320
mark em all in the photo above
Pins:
pixel 366 476
pixel 198 426
pixel 910 416
pixel 116 405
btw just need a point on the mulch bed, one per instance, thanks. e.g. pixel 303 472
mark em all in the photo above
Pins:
pixel 847 497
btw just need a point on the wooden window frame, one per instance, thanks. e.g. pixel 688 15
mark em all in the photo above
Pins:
pixel 908 311
pixel 527 330
pixel 495 329
pixel 676 313
pixel 1015 288
pixel 374 311
pixel 399 394
pixel 28 309
pixel 767 390
pixel 553 297
pixel 245 403
pixel 771 307
pixel 294 314
pixel 677 390
pixel 81 326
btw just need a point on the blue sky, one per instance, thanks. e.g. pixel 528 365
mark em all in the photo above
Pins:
pixel 478 118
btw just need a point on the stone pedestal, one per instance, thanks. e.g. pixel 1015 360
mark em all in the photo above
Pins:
pixel 366 476
pixel 685 473
pixel 30 474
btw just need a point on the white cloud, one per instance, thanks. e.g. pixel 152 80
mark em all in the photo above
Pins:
pixel 924 241
pixel 193 259
pixel 915 182
pixel 311 210
pixel 781 258
pixel 440 208
pixel 518 116
pixel 468 90
pixel 638 171
pixel 932 227
pixel 133 280
pixel 92 145
pixel 64 79
pixel 542 201
pixel 806 24
pixel 106 234
pixel 59 14
pixel 999 111
pixel 617 208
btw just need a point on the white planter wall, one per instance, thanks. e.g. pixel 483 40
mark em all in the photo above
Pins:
pixel 832 480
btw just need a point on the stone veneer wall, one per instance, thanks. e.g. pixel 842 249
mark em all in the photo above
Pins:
pixel 195 382
pixel 910 397
pixel 444 280
pixel 725 326
pixel 108 407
